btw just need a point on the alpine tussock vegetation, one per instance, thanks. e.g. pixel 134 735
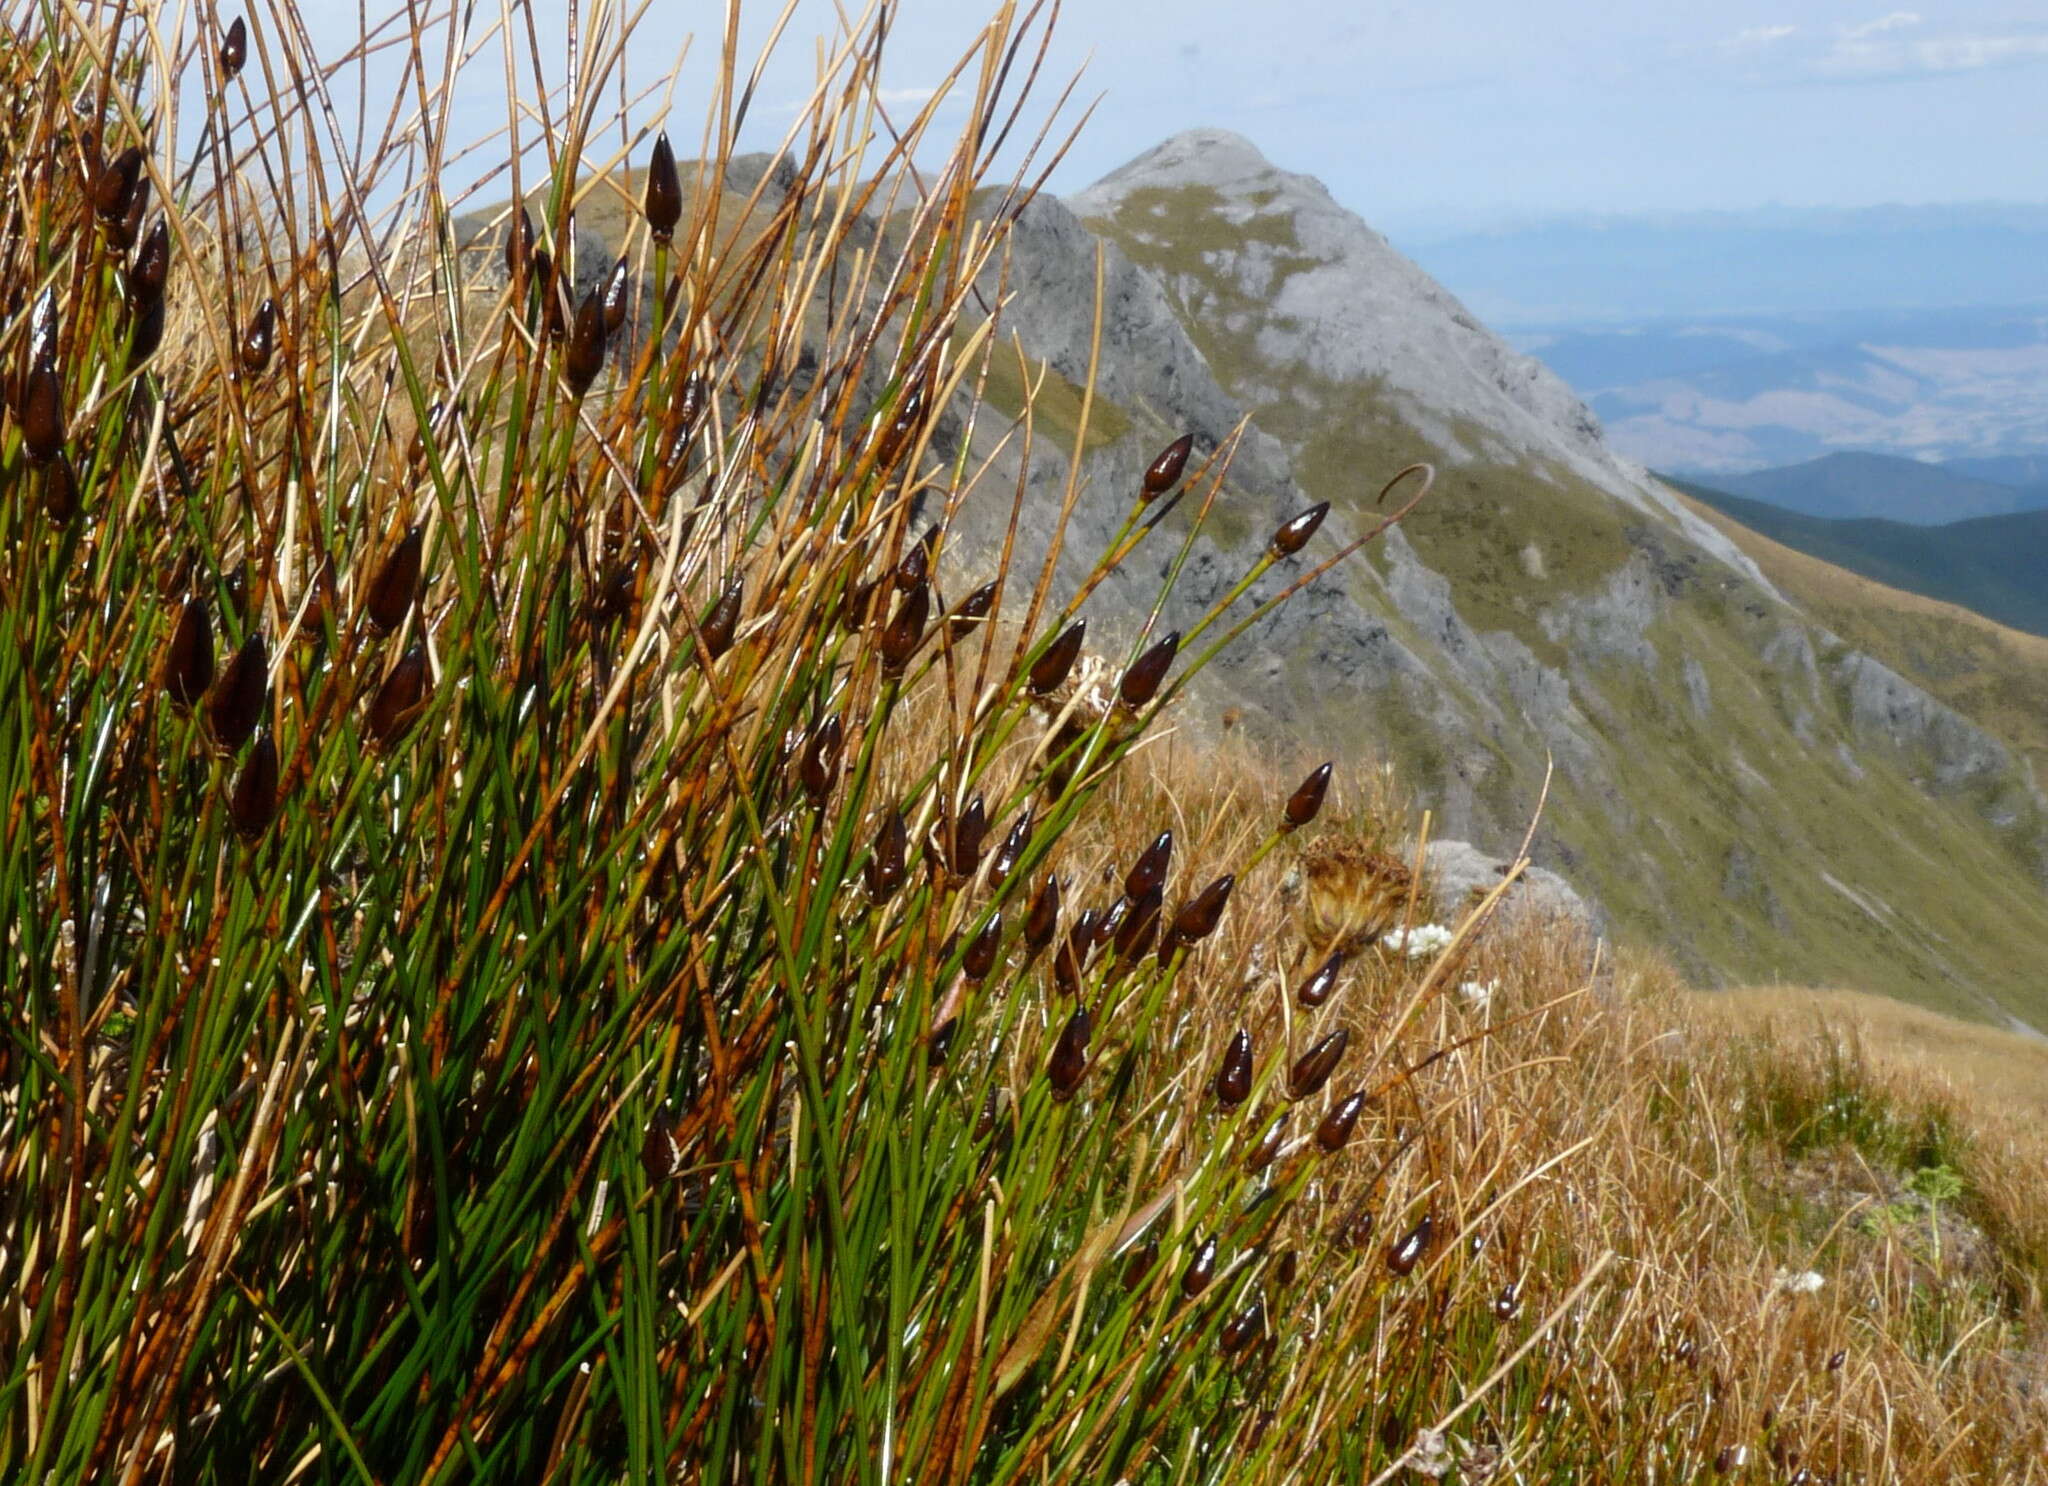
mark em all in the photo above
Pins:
pixel 556 929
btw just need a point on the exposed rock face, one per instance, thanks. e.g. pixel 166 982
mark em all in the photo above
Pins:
pixel 1461 875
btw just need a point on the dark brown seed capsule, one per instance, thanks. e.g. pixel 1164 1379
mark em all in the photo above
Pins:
pixel 1268 1147
pixel 1201 1269
pixel 1069 1062
pixel 584 358
pixel 43 329
pixel 147 335
pixel 260 339
pixel 1110 924
pixel 128 231
pixel 234 48
pixel 1313 1068
pixel 661 1154
pixel 1317 988
pixel 1241 1329
pixel 518 243
pixel 981 950
pixel 1306 803
pixel 1338 1124
pixel 905 630
pixel 115 188
pixel 818 770
pixel 1285 1268
pixel 857 605
pixel 1141 681
pixel 663 203
pixel 1011 851
pixel 1835 1362
pixel 399 701
pixel 886 869
pixel 723 622
pixel 616 289
pixel 1070 958
pixel 253 805
pixel 1508 1303
pixel 42 414
pixel 1731 1459
pixel 901 431
pixel 1052 667
pixel 1140 926
pixel 1198 918
pixel 151 266
pixel 916 563
pixel 1164 472
pixel 542 273
pixel 238 699
pixel 1149 870
pixel 1407 1250
pixel 1143 1258
pixel 1234 1077
pixel 1356 1231
pixel 389 597
pixel 971 611
pixel 1293 535
pixel 60 489
pixel 1043 921
pixel 969 833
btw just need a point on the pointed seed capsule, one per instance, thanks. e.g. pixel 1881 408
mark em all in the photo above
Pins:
pixel 1286 1268
pixel 43 330
pixel 1731 1459
pixel 723 622
pixel 1141 681
pixel 1052 667
pixel 1306 803
pixel 584 358
pixel 1069 1062
pixel 982 949
pixel 1316 989
pixel 389 597
pixel 1143 1258
pixel 1011 851
pixel 42 414
pixel 147 335
pixel 661 1154
pixel 399 701
pixel 260 339
pixel 1240 1330
pixel 151 265
pixel 818 770
pixel 1198 918
pixel 905 630
pixel 1268 1147
pixel 1338 1124
pixel 1201 1269
pixel 1313 1068
pixel 663 202
pixel 1356 1231
pixel 114 189
pixel 970 831
pixel 60 489
pixel 1293 535
pixel 1407 1250
pixel 616 289
pixel 1508 1303
pixel 1234 1077
pixel 240 695
pixel 1070 958
pixel 1149 870
pixel 886 862
pixel 234 48
pixel 971 611
pixel 916 563
pixel 253 805
pixel 1164 472
pixel 128 230
pixel 1043 921
pixel 1140 926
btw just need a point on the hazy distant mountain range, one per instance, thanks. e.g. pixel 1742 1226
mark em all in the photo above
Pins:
pixel 1846 486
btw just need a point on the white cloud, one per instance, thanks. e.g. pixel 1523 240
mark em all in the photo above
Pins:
pixel 1752 37
pixel 1860 58
pixel 1898 20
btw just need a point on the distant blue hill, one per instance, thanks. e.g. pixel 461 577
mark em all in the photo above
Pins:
pixel 1848 486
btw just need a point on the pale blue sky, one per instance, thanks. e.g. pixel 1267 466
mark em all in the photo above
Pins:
pixel 1418 113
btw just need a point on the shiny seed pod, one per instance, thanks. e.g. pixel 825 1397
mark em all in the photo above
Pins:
pixel 857 605
pixel 905 630
pixel 1070 959
pixel 392 590
pixel 662 204
pixel 1731 1459
pixel 1198 918
pixel 617 290
pixel 253 805
pixel 399 701
pixel 818 769
pixel 886 867
pixel 260 339
pixel 1069 1061
pixel 1234 1077
pixel 41 414
pixel 1241 1329
pixel 116 186
pixel 661 1153
pixel 239 697
pixel 916 563
pixel 982 950
pixel 128 231
pixel 1011 851
pixel 1356 1231
pixel 1110 924
pixel 151 265
pixel 970 832
pixel 1201 1269
pixel 60 490
pixel 1337 1125
pixel 1052 667
pixel 1140 926
pixel 1293 535
pixel 1314 991
pixel 1043 921
pixel 1508 1303
pixel 147 335
pixel 1313 1068
pixel 1407 1250
pixel 1306 803
pixel 584 358
pixel 1165 471
pixel 1144 1258
pixel 234 48
pixel 1141 682
pixel 1268 1147
pixel 1149 870
pixel 723 622
pixel 901 431
pixel 519 247
pixel 1286 1268
pixel 43 330
pixel 1835 1362
pixel 971 611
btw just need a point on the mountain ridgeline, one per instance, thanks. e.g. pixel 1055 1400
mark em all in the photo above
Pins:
pixel 1731 779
